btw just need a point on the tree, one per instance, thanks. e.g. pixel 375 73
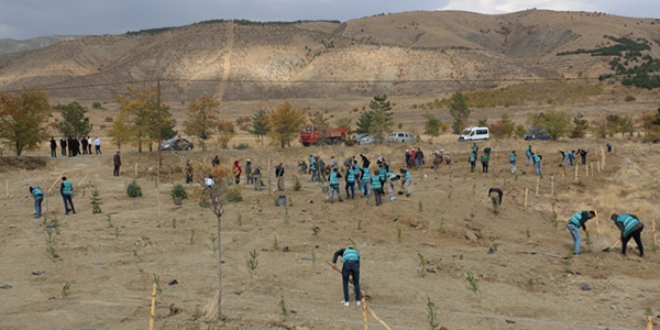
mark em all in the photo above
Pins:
pixel 320 122
pixel 285 123
pixel 202 118
pixel 139 114
pixel 558 123
pixel 503 128
pixel 580 126
pixel 364 123
pixel 226 132
pixel 344 122
pixel 520 131
pixel 119 133
pixel 381 121
pixel 74 122
pixel 22 119
pixel 459 111
pixel 432 125
pixel 259 126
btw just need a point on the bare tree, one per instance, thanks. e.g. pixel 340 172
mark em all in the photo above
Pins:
pixel 215 196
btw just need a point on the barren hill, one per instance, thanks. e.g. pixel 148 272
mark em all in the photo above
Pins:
pixel 387 53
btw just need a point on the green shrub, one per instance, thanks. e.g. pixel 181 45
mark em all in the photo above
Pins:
pixel 178 191
pixel 133 189
pixel 241 146
pixel 233 194
pixel 96 105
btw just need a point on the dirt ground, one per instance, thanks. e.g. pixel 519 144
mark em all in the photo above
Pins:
pixel 111 259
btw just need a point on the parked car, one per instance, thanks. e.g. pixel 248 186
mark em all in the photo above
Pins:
pixel 537 133
pixel 177 144
pixel 358 137
pixel 400 137
pixel 366 139
pixel 474 134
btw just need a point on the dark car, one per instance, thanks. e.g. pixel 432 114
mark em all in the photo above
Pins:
pixel 177 144
pixel 537 133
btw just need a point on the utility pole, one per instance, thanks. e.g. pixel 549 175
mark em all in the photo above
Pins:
pixel 160 159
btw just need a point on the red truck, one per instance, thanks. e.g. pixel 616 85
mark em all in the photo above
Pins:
pixel 318 135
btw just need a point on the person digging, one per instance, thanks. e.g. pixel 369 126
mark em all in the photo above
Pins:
pixel 350 268
pixel 495 195
pixel 630 227
pixel 574 223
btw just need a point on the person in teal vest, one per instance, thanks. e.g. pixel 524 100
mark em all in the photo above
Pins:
pixel 512 161
pixel 358 173
pixel 333 178
pixel 366 182
pixel 377 187
pixel 630 227
pixel 66 190
pixel 391 178
pixel 529 154
pixel 350 259
pixel 537 163
pixel 473 160
pixel 475 148
pixel 38 198
pixel 407 180
pixel 574 223
pixel 484 163
pixel 313 168
pixel 350 183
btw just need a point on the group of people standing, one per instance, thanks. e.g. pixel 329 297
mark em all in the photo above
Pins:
pixel 74 146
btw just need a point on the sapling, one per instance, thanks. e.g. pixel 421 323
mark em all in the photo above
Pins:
pixel 140 269
pixel 441 224
pixel 192 236
pixel 65 290
pixel 353 245
pixel 259 206
pixel 315 230
pixel 134 253
pixel 359 225
pixel 422 265
pixel 290 202
pixel 588 240
pixel 431 314
pixel 313 258
pixel 239 220
pixel 157 281
pixel 213 238
pixel 528 234
pixel 96 201
pixel 287 217
pixel 173 223
pixel 449 195
pixel 398 234
pixel 282 305
pixel 296 185
pixel 530 282
pixel 473 284
pixel 49 237
pixel 108 218
pixel 252 263
pixel 419 206
pixel 117 233
pixel 276 245
pixel 56 225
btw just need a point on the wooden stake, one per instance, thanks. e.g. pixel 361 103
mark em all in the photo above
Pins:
pixel 152 315
pixel 576 172
pixel 270 191
pixel 592 168
pixel 526 192
pixel 83 180
pixel 563 174
pixel 597 225
pixel 538 183
pixel 552 185
pixel 364 312
pixel 7 187
pixel 655 234
pixel 649 325
pixel 378 318
pixel 169 169
pixel 136 170
pixel 49 189
pixel 553 207
pixel 586 170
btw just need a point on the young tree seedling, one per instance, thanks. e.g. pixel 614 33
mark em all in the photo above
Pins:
pixel 252 263
pixel 192 237
pixel 239 220
pixel 315 230
pixel 276 245
pixel 65 290
pixel 213 239
pixel 431 314
pixel 398 234
pixel 282 305
pixel 422 265
pixel 473 284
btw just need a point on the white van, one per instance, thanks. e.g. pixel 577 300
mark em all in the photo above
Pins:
pixel 474 134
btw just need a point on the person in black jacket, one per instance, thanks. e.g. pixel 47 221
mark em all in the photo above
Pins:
pixel 63 146
pixel 84 146
pixel 365 161
pixel 495 195
pixel 53 147
pixel 69 144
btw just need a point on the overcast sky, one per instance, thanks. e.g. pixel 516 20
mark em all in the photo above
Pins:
pixel 21 19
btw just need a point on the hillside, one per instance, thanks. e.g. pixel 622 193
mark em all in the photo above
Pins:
pixel 13 46
pixel 387 53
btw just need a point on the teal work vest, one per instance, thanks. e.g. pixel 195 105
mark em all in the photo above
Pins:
pixel 512 158
pixel 629 223
pixel 473 158
pixel 475 148
pixel 350 177
pixel 68 188
pixel 366 175
pixel 350 254
pixel 382 172
pixel 36 192
pixel 528 152
pixel 537 159
pixel 407 176
pixel 375 182
pixel 333 178
pixel 575 219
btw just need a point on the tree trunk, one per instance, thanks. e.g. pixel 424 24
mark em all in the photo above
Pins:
pixel 19 148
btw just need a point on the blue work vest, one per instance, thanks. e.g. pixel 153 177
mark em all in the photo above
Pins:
pixel 375 182
pixel 365 174
pixel 350 255
pixel 512 158
pixel 629 223
pixel 68 188
pixel 333 178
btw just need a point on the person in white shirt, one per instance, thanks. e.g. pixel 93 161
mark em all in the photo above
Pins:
pixel 97 145
pixel 209 182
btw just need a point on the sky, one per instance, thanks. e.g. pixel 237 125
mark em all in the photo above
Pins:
pixel 22 19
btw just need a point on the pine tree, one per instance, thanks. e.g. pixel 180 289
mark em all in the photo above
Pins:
pixel 382 121
pixel 259 126
pixel 459 111
pixel 96 201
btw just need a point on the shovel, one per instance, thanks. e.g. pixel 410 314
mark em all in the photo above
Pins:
pixel 609 249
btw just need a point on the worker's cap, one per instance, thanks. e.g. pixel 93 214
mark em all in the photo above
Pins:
pixel 614 216
pixel 248 160
pixel 407 150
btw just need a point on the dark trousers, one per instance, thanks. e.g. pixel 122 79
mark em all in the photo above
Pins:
pixel 89 149
pixel 472 165
pixel 69 200
pixel 53 152
pixel 63 151
pixel 637 235
pixel 84 147
pixel 378 194
pixel 484 166
pixel 189 178
pixel 350 186
pixel 98 150
pixel 584 160
pixel 351 269
pixel 116 171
